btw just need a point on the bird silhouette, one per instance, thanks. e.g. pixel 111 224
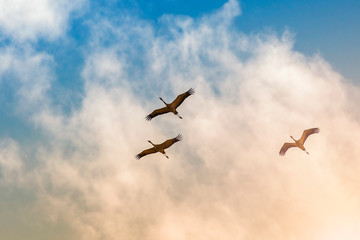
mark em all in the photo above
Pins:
pixel 172 106
pixel 299 143
pixel 159 147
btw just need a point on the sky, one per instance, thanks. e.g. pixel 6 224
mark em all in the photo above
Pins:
pixel 78 77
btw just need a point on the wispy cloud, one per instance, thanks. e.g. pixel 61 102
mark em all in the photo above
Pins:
pixel 29 20
pixel 225 180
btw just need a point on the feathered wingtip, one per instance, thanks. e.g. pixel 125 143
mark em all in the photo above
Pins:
pixel 137 157
pixel 179 137
pixel 316 130
pixel 148 118
pixel 191 91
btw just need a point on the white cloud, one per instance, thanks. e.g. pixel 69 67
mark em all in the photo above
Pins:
pixel 28 20
pixel 225 180
pixel 29 73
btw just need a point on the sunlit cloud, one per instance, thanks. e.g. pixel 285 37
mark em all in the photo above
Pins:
pixel 225 180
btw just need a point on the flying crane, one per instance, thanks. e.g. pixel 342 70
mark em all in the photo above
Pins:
pixel 299 143
pixel 159 147
pixel 172 106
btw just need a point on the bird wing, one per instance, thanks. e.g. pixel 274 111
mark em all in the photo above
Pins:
pixel 156 113
pixel 170 142
pixel 307 133
pixel 179 99
pixel 285 147
pixel 146 152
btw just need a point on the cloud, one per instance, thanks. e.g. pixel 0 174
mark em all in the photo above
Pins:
pixel 225 180
pixel 28 74
pixel 10 161
pixel 29 20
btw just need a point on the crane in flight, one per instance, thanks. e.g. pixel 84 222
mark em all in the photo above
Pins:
pixel 159 147
pixel 299 143
pixel 172 106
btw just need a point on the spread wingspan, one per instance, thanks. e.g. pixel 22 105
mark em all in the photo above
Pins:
pixel 307 133
pixel 156 113
pixel 172 106
pixel 298 143
pixel 170 142
pixel 146 152
pixel 285 147
pixel 159 147
pixel 179 99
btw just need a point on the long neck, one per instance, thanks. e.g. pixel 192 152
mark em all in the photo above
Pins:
pixel 152 143
pixel 163 101
pixel 293 138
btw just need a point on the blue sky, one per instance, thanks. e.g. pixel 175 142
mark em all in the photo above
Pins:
pixel 327 28
pixel 78 77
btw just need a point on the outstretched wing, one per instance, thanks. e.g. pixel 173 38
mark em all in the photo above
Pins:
pixel 146 152
pixel 307 133
pixel 285 147
pixel 170 142
pixel 179 99
pixel 156 113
